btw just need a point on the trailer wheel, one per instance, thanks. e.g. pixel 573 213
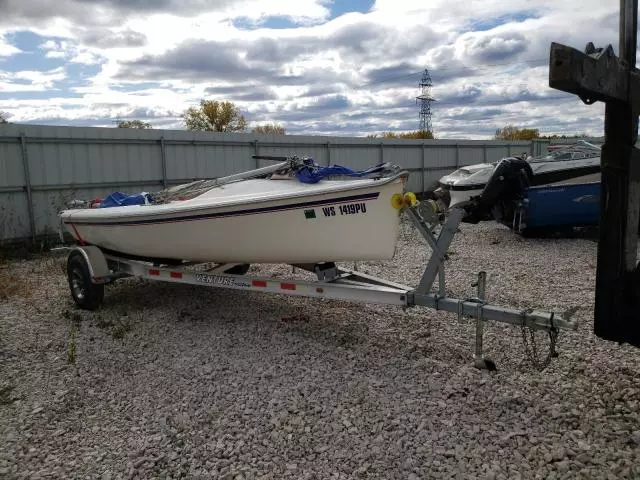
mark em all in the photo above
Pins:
pixel 85 293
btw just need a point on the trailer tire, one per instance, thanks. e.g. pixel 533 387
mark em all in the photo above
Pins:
pixel 85 293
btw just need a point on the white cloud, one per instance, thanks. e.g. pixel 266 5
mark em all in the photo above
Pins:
pixel 302 12
pixel 71 52
pixel 30 80
pixel 488 59
pixel 6 49
pixel 55 54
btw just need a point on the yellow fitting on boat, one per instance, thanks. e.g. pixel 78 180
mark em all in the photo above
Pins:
pixel 397 201
pixel 410 199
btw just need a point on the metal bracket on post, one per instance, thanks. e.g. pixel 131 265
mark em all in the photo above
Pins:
pixel 593 75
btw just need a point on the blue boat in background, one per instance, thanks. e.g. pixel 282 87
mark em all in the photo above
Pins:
pixel 556 206
pixel 531 203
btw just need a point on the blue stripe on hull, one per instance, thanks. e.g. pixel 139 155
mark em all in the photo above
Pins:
pixel 557 205
pixel 238 213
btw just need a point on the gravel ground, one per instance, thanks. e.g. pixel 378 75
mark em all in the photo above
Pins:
pixel 170 381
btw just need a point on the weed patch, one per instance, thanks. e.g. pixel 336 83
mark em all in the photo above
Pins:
pixel 13 285
pixel 103 322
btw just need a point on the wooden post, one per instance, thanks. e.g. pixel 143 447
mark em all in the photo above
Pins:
pixel 615 314
pixel 598 75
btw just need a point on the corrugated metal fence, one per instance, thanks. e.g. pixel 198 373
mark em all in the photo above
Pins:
pixel 43 167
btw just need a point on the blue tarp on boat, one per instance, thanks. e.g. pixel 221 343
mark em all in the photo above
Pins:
pixel 311 172
pixel 119 199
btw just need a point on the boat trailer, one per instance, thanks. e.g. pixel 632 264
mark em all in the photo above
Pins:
pixel 90 268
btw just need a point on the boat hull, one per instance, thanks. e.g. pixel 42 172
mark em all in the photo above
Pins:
pixel 461 196
pixel 561 205
pixel 358 224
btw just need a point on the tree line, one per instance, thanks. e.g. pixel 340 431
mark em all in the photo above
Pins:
pixel 213 116
pixel 511 132
pixel 415 135
pixel 225 116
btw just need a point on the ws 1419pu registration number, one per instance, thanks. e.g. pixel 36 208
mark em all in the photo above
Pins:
pixel 346 209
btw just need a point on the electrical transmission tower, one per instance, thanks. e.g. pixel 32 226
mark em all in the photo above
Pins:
pixel 425 100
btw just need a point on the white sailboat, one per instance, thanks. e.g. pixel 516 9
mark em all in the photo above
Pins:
pixel 265 215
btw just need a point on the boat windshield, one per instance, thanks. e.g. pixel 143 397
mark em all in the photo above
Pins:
pixel 577 151
pixel 467 171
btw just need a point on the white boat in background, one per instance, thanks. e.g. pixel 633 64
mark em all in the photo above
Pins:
pixel 573 163
pixel 243 219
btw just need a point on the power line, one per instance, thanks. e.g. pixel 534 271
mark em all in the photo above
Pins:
pixel 460 67
pixel 388 79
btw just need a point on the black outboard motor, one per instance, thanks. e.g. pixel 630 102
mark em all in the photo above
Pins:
pixel 510 177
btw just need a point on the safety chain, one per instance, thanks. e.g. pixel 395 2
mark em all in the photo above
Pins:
pixel 531 351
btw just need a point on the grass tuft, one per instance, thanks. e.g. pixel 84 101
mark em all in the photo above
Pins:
pixel 120 329
pixel 5 395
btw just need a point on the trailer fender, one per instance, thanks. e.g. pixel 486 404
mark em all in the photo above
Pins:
pixel 96 262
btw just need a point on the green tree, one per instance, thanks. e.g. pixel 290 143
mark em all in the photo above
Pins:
pixel 511 132
pixel 215 116
pixel 133 124
pixel 3 117
pixel 270 129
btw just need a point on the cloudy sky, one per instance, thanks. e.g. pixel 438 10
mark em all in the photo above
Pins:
pixel 325 67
